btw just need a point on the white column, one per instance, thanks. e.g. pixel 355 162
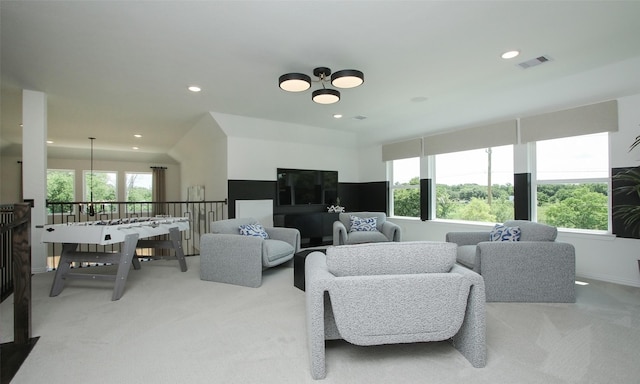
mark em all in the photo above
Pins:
pixel 34 163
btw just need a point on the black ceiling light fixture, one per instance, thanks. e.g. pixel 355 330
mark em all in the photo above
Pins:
pixel 298 82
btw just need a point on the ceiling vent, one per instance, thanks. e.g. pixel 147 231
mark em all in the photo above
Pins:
pixel 534 62
pixel 359 117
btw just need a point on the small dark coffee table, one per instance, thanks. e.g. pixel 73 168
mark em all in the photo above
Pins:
pixel 298 266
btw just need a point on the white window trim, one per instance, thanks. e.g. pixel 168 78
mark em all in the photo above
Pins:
pixel 393 187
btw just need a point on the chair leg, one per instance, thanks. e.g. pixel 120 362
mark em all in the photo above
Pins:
pixel 315 332
pixel 470 340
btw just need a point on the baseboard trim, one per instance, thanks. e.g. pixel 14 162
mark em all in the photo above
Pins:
pixel 610 279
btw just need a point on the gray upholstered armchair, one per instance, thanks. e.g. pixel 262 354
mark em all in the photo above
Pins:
pixel 226 256
pixel 356 293
pixel 343 233
pixel 534 269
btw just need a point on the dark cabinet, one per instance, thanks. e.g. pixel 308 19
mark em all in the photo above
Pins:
pixel 316 228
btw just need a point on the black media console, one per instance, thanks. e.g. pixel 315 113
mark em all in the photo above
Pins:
pixel 316 228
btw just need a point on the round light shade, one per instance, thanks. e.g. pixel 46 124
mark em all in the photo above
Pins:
pixel 325 96
pixel 295 82
pixel 347 78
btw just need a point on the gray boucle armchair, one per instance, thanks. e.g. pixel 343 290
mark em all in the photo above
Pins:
pixel 386 230
pixel 226 256
pixel 535 269
pixel 389 293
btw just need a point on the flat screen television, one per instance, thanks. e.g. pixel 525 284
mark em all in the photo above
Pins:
pixel 306 187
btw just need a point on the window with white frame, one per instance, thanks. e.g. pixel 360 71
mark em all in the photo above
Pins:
pixel 572 182
pixel 475 185
pixel 405 187
pixel 60 189
pixel 138 192
pixel 101 187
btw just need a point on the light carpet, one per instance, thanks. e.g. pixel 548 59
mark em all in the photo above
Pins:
pixel 171 327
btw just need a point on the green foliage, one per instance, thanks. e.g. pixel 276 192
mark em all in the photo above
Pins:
pixel 555 193
pixel 445 205
pixel 469 202
pixel 101 188
pixel 581 208
pixel 406 202
pixel 139 194
pixel 502 209
pixel 629 213
pixel 477 210
pixel 635 143
pixel 60 189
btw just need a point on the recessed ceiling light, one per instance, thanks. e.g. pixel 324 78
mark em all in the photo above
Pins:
pixel 137 135
pixel 135 148
pixel 578 282
pixel 194 88
pixel 49 141
pixel 337 116
pixel 510 54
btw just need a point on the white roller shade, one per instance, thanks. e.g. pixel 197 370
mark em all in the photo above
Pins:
pixel 594 118
pixel 485 136
pixel 402 150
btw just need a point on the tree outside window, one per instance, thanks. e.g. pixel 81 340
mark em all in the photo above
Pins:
pixel 572 182
pixel 60 189
pixel 138 192
pixel 475 185
pixel 101 188
pixel 405 187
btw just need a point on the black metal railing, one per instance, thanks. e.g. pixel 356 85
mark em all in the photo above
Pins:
pixel 18 226
pixel 200 214
pixel 6 244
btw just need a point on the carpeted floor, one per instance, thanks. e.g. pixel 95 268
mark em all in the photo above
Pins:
pixel 171 327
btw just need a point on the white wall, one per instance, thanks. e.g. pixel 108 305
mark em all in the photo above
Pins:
pixel 372 168
pixel 257 147
pixel 256 159
pixel 629 123
pixel 10 179
pixel 202 154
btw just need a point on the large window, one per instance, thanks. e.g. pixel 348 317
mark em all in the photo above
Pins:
pixel 573 181
pixel 60 189
pixel 405 187
pixel 138 191
pixel 101 187
pixel 475 185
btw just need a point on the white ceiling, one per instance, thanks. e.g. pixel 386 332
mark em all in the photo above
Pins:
pixel 114 68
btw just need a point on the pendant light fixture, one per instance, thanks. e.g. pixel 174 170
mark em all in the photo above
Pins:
pixel 91 211
pixel 298 82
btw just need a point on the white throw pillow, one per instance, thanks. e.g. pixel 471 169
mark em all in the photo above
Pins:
pixel 253 230
pixel 503 233
pixel 359 224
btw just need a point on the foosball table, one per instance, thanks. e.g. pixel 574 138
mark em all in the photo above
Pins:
pixel 132 233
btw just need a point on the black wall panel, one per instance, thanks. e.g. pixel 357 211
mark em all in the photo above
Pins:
pixel 371 196
pixel 249 190
pixel 522 196
pixel 425 199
